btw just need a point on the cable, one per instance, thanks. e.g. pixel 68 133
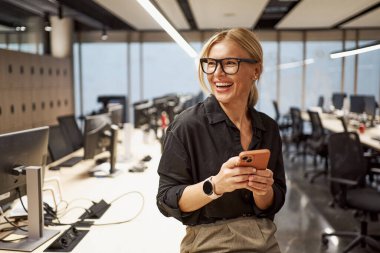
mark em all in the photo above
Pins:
pixel 89 200
pixel 22 203
pixel 128 220
pixel 104 224
pixel 10 222
pixel 76 207
pixel 63 209
pixel 14 225
pixel 13 240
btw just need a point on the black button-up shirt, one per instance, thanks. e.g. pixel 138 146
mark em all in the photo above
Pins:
pixel 197 143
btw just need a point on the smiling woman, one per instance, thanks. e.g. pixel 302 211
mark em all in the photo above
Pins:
pixel 227 207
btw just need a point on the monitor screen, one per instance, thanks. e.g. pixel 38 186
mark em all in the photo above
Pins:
pixel 357 104
pixel 370 105
pixel 96 130
pixel 58 144
pixel 24 148
pixel 337 100
pixel 71 131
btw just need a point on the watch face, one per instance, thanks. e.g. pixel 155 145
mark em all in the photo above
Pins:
pixel 207 187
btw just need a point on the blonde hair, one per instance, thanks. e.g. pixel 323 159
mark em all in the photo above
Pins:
pixel 248 41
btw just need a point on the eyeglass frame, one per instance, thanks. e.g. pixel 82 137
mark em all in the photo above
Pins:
pixel 219 61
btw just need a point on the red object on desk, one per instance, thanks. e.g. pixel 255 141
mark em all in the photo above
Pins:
pixel 361 128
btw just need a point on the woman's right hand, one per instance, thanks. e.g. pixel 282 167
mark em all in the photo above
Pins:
pixel 231 176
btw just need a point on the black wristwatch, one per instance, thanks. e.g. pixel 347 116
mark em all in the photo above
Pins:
pixel 209 189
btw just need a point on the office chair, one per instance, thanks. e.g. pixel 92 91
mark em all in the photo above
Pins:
pixel 282 120
pixel 347 173
pixel 317 144
pixel 321 101
pixel 297 136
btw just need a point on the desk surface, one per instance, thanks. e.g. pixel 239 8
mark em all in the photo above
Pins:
pixel 333 124
pixel 149 232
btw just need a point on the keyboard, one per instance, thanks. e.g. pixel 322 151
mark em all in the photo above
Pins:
pixel 71 162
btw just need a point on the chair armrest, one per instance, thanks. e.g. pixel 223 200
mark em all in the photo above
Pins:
pixel 343 181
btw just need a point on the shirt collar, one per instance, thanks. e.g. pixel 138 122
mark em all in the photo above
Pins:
pixel 215 113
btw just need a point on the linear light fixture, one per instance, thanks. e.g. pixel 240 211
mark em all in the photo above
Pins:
pixel 161 20
pixel 356 51
pixel 296 64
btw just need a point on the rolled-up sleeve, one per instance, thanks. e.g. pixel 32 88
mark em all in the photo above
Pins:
pixel 175 175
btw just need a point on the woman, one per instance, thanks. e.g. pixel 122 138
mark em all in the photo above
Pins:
pixel 226 208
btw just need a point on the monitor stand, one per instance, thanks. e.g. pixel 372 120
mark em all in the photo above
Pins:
pixel 104 170
pixel 108 169
pixel 36 235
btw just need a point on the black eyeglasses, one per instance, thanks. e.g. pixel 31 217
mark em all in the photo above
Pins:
pixel 230 66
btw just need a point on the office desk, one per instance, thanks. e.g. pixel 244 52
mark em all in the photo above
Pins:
pixel 333 124
pixel 149 232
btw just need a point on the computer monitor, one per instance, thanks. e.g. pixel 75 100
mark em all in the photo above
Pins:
pixel 116 112
pixel 19 151
pixel 370 106
pixel 142 113
pixel 357 104
pixel 100 136
pixel 60 147
pixel 338 100
pixel 166 104
pixel 71 131
pixel 113 99
pixel 58 144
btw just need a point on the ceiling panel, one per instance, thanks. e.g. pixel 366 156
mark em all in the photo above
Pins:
pixel 132 12
pixel 323 13
pixel 370 19
pixel 219 14
pixel 172 11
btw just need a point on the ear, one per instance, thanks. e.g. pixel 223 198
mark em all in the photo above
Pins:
pixel 256 72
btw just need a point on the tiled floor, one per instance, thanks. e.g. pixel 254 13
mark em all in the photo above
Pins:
pixel 306 214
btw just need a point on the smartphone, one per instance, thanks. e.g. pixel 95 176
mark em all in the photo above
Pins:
pixel 255 158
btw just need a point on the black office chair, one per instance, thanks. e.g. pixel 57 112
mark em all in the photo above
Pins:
pixel 321 101
pixel 347 185
pixel 297 136
pixel 316 145
pixel 283 121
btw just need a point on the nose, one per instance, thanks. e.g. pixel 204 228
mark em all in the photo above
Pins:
pixel 219 69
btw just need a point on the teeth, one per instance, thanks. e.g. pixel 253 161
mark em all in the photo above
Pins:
pixel 223 84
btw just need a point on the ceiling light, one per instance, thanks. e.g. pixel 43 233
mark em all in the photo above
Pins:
pixel 361 50
pixel 20 28
pixel 161 20
pixel 296 64
pixel 104 34
pixel 47 26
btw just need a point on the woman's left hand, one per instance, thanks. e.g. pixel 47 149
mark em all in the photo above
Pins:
pixel 260 183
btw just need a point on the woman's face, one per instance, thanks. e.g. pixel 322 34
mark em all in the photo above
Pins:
pixel 231 89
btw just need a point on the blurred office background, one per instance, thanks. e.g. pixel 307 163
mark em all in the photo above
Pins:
pixel 57 57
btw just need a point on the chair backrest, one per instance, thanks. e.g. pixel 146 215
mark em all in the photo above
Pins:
pixel 321 101
pixel 346 156
pixel 297 122
pixel 318 131
pixel 276 110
